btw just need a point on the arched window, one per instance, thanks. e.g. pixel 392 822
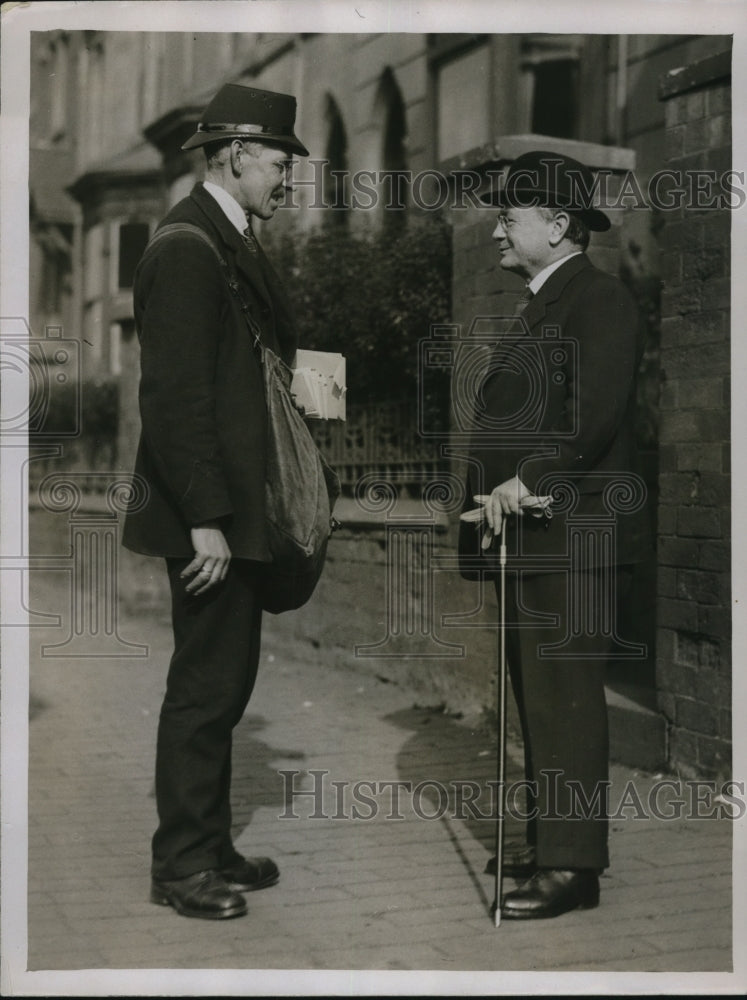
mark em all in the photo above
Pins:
pixel 393 186
pixel 336 180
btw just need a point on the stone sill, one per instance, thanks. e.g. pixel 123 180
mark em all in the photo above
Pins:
pixel 506 148
pixel 402 512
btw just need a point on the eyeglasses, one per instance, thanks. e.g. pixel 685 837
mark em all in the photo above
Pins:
pixel 284 166
pixel 505 221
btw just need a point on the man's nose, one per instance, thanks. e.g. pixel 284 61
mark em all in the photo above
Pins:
pixel 499 231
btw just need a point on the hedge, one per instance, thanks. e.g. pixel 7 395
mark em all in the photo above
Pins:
pixel 373 297
pixel 85 415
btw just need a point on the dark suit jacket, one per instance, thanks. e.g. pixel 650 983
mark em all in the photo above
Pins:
pixel 202 447
pixel 558 405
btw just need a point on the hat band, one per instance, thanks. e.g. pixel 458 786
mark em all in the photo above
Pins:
pixel 284 130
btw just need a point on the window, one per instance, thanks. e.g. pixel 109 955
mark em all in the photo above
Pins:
pixel 395 131
pixel 133 238
pixel 550 70
pixel 390 112
pixel 554 109
pixel 335 171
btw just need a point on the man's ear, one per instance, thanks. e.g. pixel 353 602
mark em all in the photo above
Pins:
pixel 559 228
pixel 237 154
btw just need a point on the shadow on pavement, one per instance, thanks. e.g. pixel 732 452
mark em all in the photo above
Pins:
pixel 256 780
pixel 456 768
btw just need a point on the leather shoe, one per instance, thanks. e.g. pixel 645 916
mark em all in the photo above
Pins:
pixel 248 874
pixel 519 864
pixel 203 894
pixel 550 892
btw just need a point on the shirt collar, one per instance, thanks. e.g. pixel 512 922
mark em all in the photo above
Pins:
pixel 539 279
pixel 231 208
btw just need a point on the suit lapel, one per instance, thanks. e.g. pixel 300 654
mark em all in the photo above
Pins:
pixel 551 291
pixel 278 326
pixel 248 264
pixel 532 317
pixel 251 266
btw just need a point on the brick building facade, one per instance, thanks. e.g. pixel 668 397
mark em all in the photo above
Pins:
pixel 693 659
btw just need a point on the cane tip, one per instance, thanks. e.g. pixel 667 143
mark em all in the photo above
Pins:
pixel 495 911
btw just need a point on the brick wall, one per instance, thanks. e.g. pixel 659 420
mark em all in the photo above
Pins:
pixel 694 624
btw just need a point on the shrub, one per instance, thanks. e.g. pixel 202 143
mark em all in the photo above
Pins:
pixel 373 297
pixel 93 407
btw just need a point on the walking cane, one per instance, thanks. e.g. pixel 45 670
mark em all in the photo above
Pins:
pixel 499 822
pixel 537 506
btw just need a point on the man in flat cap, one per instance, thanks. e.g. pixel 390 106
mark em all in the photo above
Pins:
pixel 202 455
pixel 556 421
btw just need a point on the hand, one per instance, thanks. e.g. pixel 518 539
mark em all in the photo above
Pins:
pixel 211 560
pixel 511 497
pixel 505 499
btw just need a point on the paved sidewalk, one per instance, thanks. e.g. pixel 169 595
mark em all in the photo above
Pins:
pixel 379 892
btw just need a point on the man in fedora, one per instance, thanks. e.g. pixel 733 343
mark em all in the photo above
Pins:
pixel 202 456
pixel 574 358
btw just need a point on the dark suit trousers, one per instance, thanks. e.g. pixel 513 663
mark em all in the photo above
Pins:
pixel 563 714
pixel 210 679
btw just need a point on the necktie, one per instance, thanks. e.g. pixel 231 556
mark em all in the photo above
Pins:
pixel 526 296
pixel 495 358
pixel 250 240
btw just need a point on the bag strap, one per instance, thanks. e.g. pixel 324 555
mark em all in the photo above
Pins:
pixel 172 229
pixel 187 227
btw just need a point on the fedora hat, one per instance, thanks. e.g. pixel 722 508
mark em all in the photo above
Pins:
pixel 238 112
pixel 549 180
